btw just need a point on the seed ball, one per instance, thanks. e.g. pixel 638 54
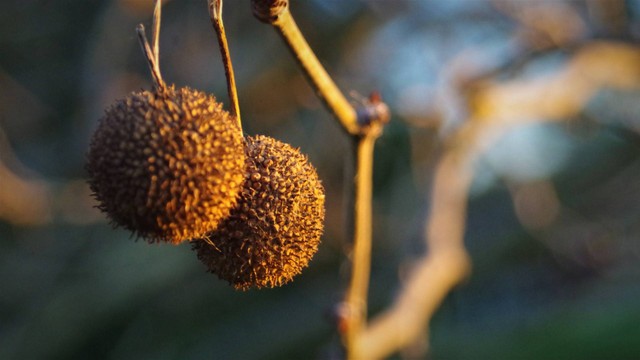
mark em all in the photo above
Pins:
pixel 167 165
pixel 274 230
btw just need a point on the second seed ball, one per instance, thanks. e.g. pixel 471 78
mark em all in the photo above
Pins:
pixel 275 228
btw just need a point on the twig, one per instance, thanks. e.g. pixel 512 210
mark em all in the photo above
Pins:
pixel 151 59
pixel 215 13
pixel 153 54
pixel 277 14
pixel 365 126
pixel 446 264
pixel 356 298
pixel 155 36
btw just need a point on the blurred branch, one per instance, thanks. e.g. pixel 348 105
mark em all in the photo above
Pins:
pixel 24 201
pixel 35 201
pixel 365 125
pixel 561 94
pixel 446 264
pixel 545 24
pixel 610 16
pixel 495 107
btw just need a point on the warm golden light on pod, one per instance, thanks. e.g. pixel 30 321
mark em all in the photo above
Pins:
pixel 274 230
pixel 167 165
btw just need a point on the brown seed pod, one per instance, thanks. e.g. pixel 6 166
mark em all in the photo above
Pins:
pixel 167 165
pixel 275 228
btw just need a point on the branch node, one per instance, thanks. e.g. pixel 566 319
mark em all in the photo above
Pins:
pixel 372 112
pixel 268 11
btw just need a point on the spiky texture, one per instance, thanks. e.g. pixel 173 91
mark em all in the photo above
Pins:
pixel 167 164
pixel 275 228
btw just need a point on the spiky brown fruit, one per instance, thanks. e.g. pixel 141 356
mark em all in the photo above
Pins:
pixel 275 228
pixel 167 165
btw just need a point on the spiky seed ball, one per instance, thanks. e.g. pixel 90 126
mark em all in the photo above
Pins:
pixel 275 228
pixel 167 165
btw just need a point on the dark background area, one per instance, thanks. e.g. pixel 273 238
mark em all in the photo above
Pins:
pixel 73 287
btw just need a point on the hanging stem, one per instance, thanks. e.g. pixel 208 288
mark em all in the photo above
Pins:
pixel 153 55
pixel 215 13
pixel 356 297
pixel 156 31
pixel 364 126
pixel 151 59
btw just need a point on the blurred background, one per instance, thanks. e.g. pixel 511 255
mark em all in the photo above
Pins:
pixel 553 221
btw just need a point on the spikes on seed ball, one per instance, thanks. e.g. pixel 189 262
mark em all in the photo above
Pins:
pixel 167 164
pixel 275 228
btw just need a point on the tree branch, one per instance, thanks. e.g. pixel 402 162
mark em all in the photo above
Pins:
pixel 277 14
pixel 356 298
pixel 445 265
pixel 495 108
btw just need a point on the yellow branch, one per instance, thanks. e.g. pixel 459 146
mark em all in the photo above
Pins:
pixel 356 299
pixel 322 83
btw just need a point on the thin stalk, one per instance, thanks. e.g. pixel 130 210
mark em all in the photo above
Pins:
pixel 151 59
pixel 215 13
pixel 155 36
pixel 324 86
pixel 356 298
pixel 364 132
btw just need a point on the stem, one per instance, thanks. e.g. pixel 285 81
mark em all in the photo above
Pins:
pixel 322 83
pixel 215 13
pixel 364 126
pixel 151 59
pixel 443 267
pixel 356 299
pixel 156 31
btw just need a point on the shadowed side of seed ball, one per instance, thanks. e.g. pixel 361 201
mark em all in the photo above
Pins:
pixel 167 165
pixel 274 230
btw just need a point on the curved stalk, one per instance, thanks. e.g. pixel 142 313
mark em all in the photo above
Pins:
pixel 324 86
pixel 215 13
pixel 153 54
pixel 356 298
pixel 151 59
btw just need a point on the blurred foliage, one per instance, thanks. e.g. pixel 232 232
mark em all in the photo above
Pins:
pixel 564 288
